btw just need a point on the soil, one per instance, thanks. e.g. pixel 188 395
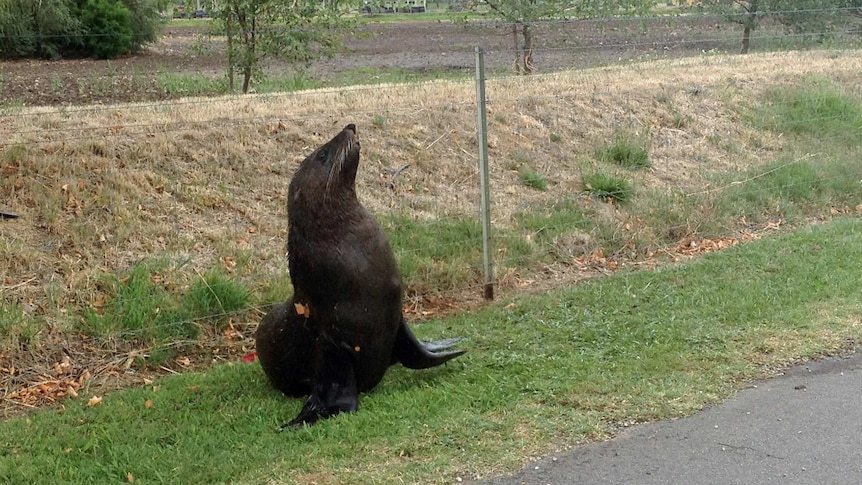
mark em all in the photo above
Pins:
pixel 418 47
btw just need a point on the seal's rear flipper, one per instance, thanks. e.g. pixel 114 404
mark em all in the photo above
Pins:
pixel 415 354
pixel 335 391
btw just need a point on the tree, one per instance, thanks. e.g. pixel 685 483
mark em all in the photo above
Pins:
pixel 77 28
pixel 36 29
pixel 108 27
pixel 146 20
pixel 814 18
pixel 522 14
pixel 296 31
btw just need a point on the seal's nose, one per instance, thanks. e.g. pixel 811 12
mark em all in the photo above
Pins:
pixel 351 127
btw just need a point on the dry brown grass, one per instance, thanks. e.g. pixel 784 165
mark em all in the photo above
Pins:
pixel 202 182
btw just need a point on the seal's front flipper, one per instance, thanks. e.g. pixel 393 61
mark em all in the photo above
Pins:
pixel 334 392
pixel 415 354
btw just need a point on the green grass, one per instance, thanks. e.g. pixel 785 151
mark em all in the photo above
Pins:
pixel 441 254
pixel 378 75
pixel 180 84
pixel 217 296
pixel 544 233
pixel 626 152
pixel 532 179
pixel 819 109
pixel 147 307
pixel 542 371
pixel 608 187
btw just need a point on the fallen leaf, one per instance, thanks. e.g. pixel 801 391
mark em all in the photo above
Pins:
pixel 148 404
pixel 130 477
pixel 94 401
pixel 250 357
pixel 194 388
pixel 303 310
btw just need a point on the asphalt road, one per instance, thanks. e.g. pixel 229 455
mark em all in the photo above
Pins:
pixel 804 427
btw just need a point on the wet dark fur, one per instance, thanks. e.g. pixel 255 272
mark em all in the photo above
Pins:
pixel 344 274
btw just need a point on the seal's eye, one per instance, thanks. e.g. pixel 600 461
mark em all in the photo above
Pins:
pixel 322 156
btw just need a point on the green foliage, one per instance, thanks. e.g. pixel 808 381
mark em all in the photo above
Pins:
pixel 540 232
pixel 107 27
pixel 77 28
pixel 626 152
pixel 819 110
pixel 257 29
pixel 608 187
pixel 36 29
pixel 146 20
pixel 440 254
pixel 140 309
pixel 533 179
pixel 180 84
pixel 216 296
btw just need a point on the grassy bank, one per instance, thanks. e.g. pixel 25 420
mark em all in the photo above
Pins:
pixel 542 372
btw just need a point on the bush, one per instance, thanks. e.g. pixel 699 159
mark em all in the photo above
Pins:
pixel 45 30
pixel 76 28
pixel 107 25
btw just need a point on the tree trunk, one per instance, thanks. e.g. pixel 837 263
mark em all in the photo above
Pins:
pixel 749 23
pixel 517 65
pixel 528 49
pixel 249 60
pixel 231 54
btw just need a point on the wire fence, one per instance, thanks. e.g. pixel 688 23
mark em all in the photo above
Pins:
pixel 213 171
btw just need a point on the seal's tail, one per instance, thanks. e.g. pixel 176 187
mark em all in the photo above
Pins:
pixel 416 354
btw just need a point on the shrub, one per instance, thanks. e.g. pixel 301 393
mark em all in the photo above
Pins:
pixel 108 28
pixel 44 29
pixel 607 187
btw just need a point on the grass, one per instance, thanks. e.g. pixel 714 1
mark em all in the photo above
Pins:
pixel 182 84
pixel 196 196
pixel 202 184
pixel 532 178
pixel 607 187
pixel 625 151
pixel 542 372
pixel 821 109
pixel 149 307
pixel 435 255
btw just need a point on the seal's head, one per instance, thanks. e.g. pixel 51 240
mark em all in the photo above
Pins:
pixel 331 169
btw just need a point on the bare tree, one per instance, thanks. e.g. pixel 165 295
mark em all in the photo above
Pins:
pixel 811 18
pixel 522 14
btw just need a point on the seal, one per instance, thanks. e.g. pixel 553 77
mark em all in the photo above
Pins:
pixel 344 325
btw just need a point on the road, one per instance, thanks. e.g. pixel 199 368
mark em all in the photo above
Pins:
pixel 804 427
